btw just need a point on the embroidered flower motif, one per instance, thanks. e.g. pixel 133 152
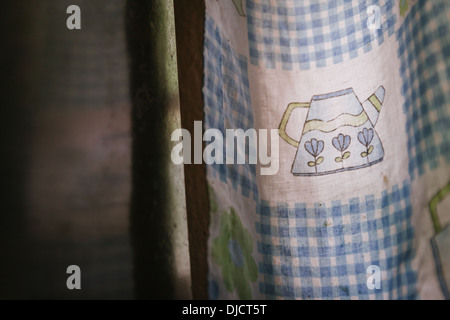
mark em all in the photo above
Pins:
pixel 232 250
pixel 341 143
pixel 365 138
pixel 314 148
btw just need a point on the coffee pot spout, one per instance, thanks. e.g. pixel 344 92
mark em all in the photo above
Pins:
pixel 372 105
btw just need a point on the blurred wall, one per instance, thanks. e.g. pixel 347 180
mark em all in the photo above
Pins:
pixel 78 186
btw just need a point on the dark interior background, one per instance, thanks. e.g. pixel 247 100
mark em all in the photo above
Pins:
pixel 84 150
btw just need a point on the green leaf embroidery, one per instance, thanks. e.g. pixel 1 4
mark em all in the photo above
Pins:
pixel 232 251
pixel 338 159
pixel 319 160
pixel 370 150
pixel 346 155
pixel 239 8
pixel 364 154
pixel 311 163
pixel 212 200
pixel 403 7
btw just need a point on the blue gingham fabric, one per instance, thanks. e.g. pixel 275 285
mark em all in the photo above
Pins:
pixel 323 251
pixel 302 34
pixel 305 249
pixel 424 52
pixel 227 104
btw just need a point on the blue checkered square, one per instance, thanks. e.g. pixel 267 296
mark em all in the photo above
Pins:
pixel 323 251
pixel 227 105
pixel 293 34
pixel 424 52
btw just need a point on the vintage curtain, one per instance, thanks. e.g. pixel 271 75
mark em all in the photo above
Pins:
pixel 359 207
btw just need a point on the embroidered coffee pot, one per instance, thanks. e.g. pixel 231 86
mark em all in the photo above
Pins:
pixel 338 134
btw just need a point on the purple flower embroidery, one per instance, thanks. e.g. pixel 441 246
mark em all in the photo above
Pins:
pixel 314 148
pixel 365 137
pixel 341 142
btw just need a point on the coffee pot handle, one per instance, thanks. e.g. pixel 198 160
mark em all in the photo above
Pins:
pixel 285 119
